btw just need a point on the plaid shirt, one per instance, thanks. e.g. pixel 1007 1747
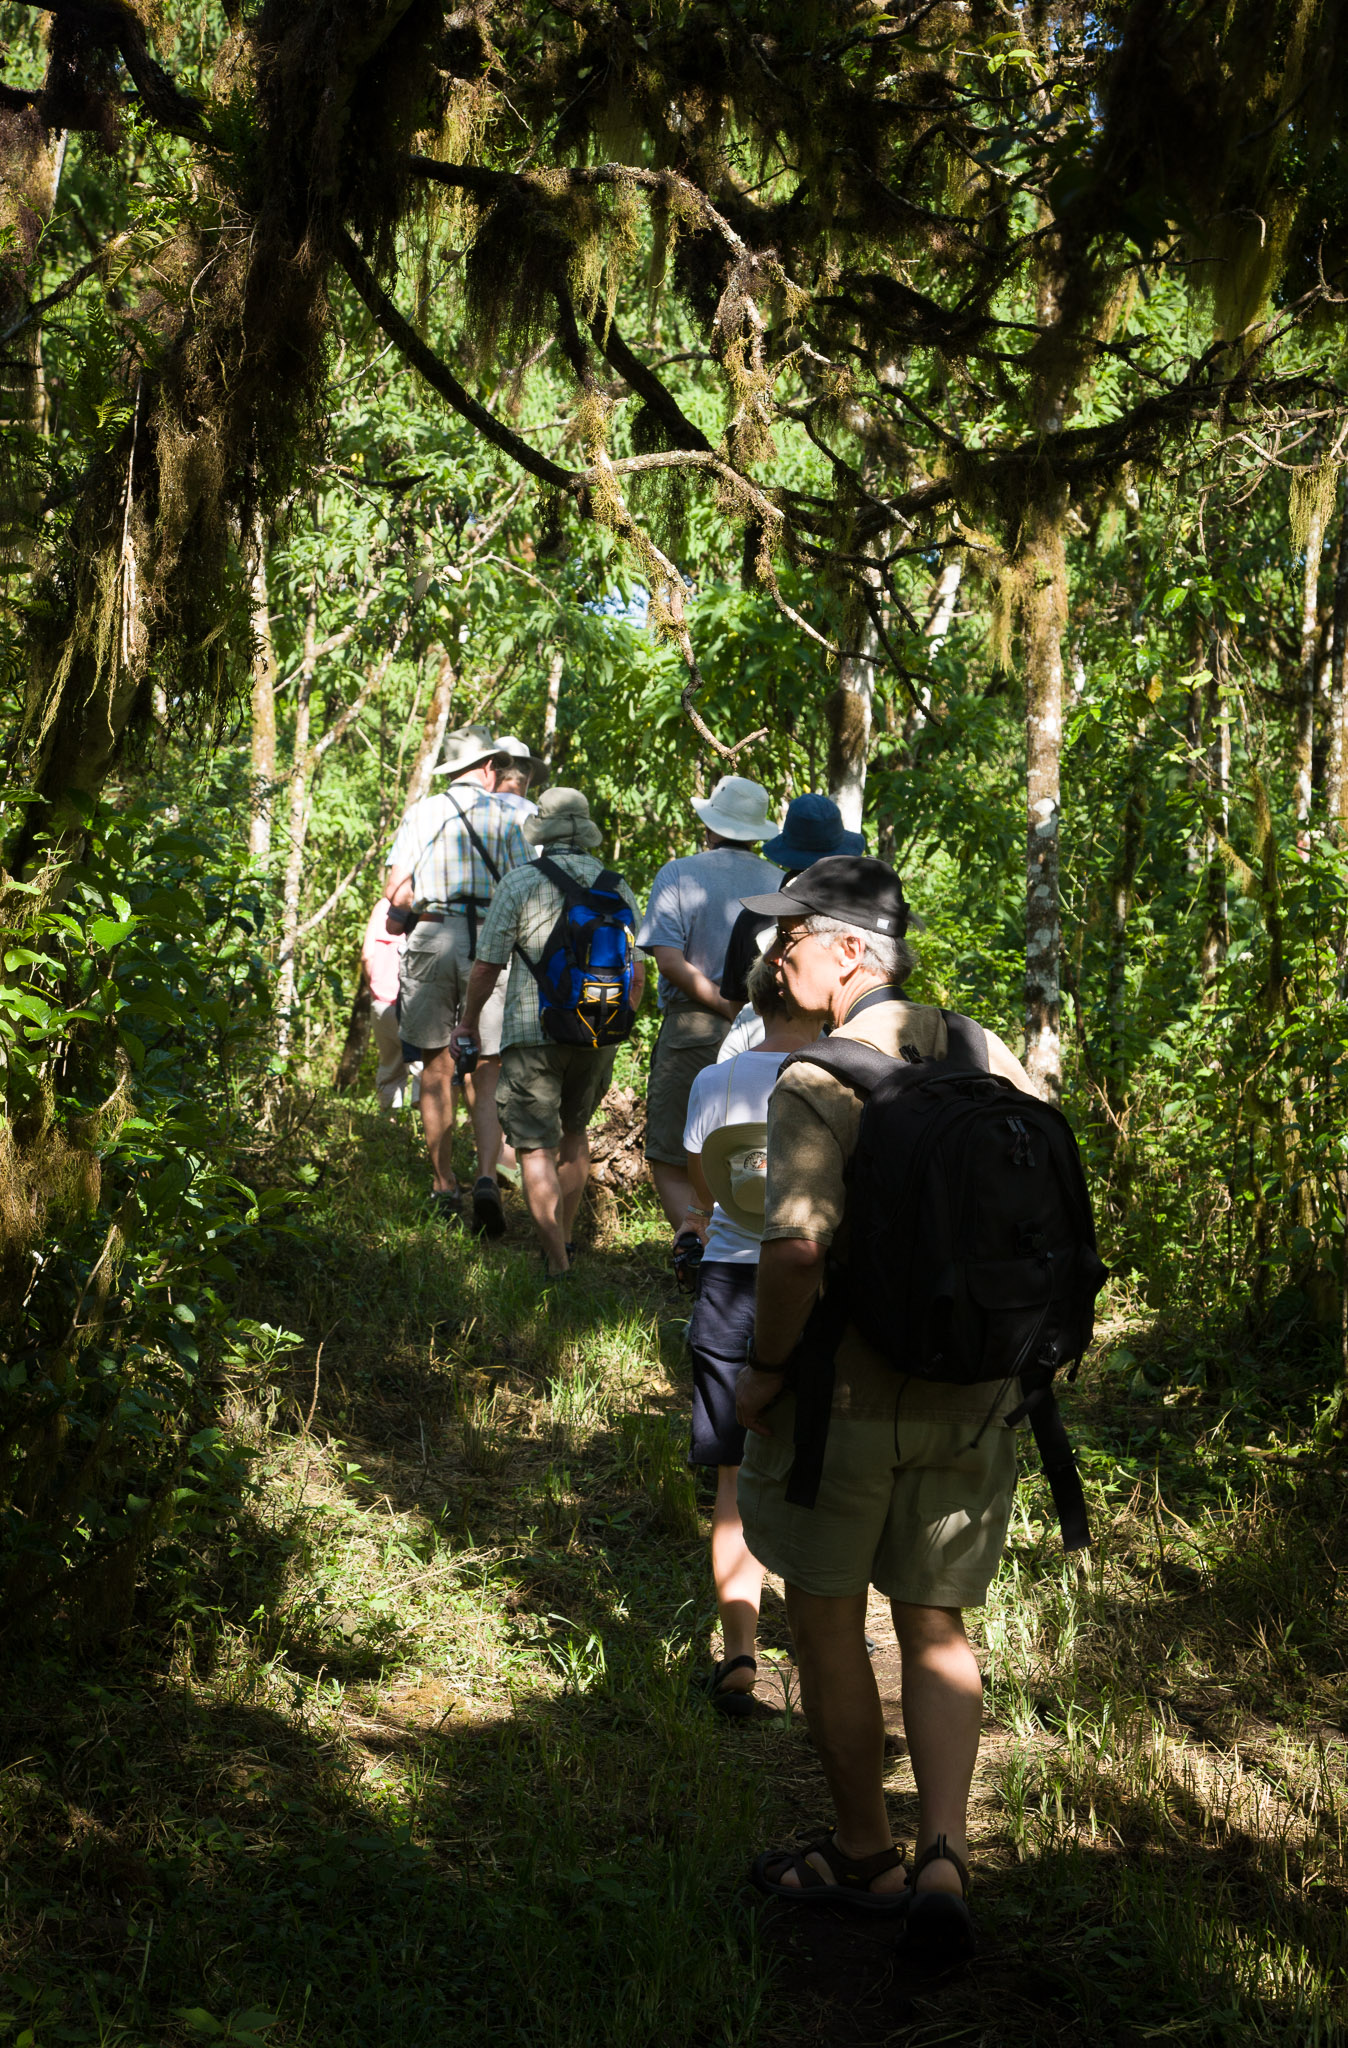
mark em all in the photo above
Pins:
pixel 435 849
pixel 523 911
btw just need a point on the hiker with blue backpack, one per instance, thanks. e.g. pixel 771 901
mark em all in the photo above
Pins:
pixel 928 1264
pixel 566 925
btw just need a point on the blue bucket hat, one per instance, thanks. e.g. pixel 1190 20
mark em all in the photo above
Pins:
pixel 811 830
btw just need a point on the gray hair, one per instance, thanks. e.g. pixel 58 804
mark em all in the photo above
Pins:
pixel 892 958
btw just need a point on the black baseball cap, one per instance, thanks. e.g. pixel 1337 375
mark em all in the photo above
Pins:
pixel 850 887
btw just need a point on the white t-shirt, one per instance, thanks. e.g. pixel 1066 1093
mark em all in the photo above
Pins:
pixel 734 1093
pixel 747 1032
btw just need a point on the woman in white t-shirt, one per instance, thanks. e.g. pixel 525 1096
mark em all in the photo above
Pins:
pixel 727 1119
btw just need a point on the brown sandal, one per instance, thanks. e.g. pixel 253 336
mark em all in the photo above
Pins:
pixel 852 1875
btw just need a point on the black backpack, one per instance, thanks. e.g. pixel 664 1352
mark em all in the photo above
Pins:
pixel 971 1254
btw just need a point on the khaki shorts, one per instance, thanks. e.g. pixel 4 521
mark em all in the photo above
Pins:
pixel 432 983
pixel 675 1065
pixel 905 1504
pixel 545 1090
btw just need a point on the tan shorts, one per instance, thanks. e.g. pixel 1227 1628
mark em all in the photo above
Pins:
pixel 905 1504
pixel 432 983
pixel 674 1068
pixel 546 1090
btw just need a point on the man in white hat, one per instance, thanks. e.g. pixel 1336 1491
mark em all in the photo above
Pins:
pixel 549 1091
pixel 694 904
pixel 450 851
pixel 516 768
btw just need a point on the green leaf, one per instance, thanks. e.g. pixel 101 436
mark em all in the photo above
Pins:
pixel 107 932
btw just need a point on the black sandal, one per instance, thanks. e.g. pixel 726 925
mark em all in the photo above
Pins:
pixel 940 1930
pixel 735 1705
pixel 852 1876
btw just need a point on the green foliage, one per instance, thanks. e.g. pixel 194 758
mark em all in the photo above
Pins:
pixel 128 1020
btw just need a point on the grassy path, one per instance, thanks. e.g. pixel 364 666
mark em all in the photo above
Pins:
pixel 421 1764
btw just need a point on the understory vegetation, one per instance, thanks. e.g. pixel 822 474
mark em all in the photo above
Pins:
pixel 420 1758
pixel 938 403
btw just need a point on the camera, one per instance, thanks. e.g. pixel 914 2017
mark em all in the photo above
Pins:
pixel 466 1058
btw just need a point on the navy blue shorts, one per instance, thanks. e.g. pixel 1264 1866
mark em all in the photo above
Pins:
pixel 719 1330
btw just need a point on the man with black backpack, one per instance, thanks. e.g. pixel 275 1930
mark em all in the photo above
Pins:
pixel 928 1263
pixel 567 926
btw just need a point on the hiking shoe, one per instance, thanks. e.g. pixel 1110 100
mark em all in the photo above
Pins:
pixel 488 1215
pixel 445 1205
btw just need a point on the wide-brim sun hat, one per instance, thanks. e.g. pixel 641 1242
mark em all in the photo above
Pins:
pixel 734 1164
pixel 736 809
pixel 468 746
pixel 563 818
pixel 811 830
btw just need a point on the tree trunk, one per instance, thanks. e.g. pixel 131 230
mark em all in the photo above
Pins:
pixel 555 668
pixel 432 732
pixel 1123 887
pixel 263 759
pixel 1304 748
pixel 299 827
pixel 1334 748
pixel 1217 929
pixel 357 1037
pixel 1043 566
pixel 849 710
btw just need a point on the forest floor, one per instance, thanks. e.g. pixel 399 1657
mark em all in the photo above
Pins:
pixel 419 1762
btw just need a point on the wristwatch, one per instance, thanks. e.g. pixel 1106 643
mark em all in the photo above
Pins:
pixel 752 1358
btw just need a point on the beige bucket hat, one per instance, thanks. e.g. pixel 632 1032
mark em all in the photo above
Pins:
pixel 563 820
pixel 466 747
pixel 735 1163
pixel 736 809
pixel 506 743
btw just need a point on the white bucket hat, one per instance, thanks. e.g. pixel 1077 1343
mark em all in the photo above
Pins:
pixel 736 809
pixel 468 746
pixel 735 1163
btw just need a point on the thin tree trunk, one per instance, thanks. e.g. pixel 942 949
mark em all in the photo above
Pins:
pixel 1334 748
pixel 432 732
pixel 850 710
pixel 299 827
pixel 1324 674
pixel 1217 929
pixel 357 1037
pixel 1123 890
pixel 418 784
pixel 263 756
pixel 555 667
pixel 1044 612
pixel 1304 749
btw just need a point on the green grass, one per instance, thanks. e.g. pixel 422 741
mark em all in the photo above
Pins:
pixel 411 1756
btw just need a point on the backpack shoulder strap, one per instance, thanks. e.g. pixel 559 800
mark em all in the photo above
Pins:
pixel 849 1060
pixel 488 863
pixel 966 1042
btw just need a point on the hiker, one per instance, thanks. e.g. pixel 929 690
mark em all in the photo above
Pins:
pixel 516 768
pixel 811 830
pixel 917 1478
pixel 725 1138
pixel 448 854
pixel 558 1035
pixel 693 907
pixel 396 1080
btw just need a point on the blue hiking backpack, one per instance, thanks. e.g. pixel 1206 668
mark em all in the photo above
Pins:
pixel 585 970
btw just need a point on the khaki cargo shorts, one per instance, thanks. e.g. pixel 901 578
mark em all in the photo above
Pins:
pixel 907 1503
pixel 432 983
pixel 545 1090
pixel 677 1060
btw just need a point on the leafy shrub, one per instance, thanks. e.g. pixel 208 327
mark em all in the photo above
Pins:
pixel 130 1008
